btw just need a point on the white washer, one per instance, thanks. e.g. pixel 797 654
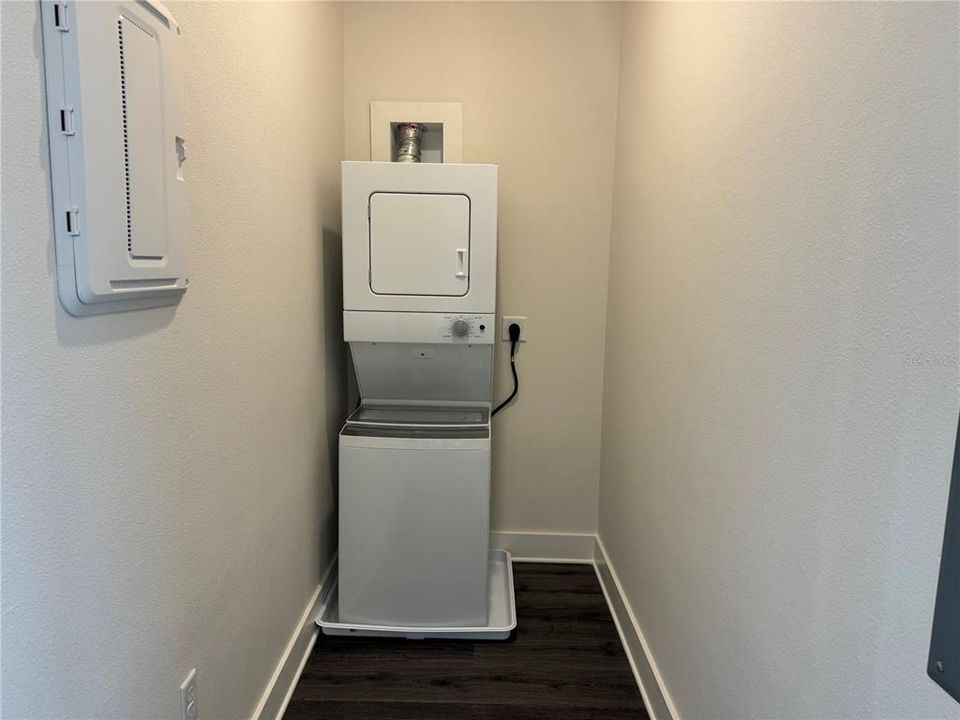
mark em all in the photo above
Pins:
pixel 414 509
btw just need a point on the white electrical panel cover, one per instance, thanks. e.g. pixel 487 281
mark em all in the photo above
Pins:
pixel 117 152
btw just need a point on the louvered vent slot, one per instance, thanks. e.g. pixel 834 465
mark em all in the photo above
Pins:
pixel 126 134
pixel 151 284
pixel 128 116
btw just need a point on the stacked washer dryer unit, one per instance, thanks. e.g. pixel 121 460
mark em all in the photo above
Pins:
pixel 419 292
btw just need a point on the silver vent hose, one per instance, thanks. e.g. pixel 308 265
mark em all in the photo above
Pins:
pixel 409 136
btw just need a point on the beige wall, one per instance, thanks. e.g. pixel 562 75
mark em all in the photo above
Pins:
pixel 782 343
pixel 778 385
pixel 538 83
pixel 167 474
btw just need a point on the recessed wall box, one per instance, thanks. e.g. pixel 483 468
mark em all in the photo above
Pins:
pixel 442 124
pixel 117 150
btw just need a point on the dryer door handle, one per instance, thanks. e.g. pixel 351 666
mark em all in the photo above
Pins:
pixel 461 263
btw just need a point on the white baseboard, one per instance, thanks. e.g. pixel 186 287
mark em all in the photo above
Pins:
pixel 273 703
pixel 545 547
pixel 655 695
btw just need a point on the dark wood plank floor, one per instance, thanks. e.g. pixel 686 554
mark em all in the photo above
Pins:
pixel 564 662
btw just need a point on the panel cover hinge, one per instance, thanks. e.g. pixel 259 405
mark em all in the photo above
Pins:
pixel 66 121
pixel 73 221
pixel 60 17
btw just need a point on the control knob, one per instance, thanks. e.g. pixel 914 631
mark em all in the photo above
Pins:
pixel 460 328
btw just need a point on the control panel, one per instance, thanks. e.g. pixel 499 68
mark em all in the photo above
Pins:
pixel 420 328
pixel 465 327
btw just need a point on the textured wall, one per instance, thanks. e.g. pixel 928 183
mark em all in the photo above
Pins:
pixel 538 83
pixel 781 359
pixel 167 496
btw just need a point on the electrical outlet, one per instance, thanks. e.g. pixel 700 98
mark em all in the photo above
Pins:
pixel 508 321
pixel 189 708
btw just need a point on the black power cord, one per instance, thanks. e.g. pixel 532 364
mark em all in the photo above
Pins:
pixel 514 331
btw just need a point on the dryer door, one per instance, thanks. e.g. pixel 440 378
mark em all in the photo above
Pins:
pixel 419 244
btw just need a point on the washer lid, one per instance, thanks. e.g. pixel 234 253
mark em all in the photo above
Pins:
pixel 423 416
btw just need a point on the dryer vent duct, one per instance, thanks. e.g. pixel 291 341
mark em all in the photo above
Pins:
pixel 409 136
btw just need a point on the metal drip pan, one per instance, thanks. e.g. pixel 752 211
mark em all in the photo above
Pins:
pixel 501 620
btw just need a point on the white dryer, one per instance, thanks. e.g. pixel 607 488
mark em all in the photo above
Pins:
pixel 419 289
pixel 419 237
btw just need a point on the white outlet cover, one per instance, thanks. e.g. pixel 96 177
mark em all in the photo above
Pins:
pixel 507 321
pixel 189 707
